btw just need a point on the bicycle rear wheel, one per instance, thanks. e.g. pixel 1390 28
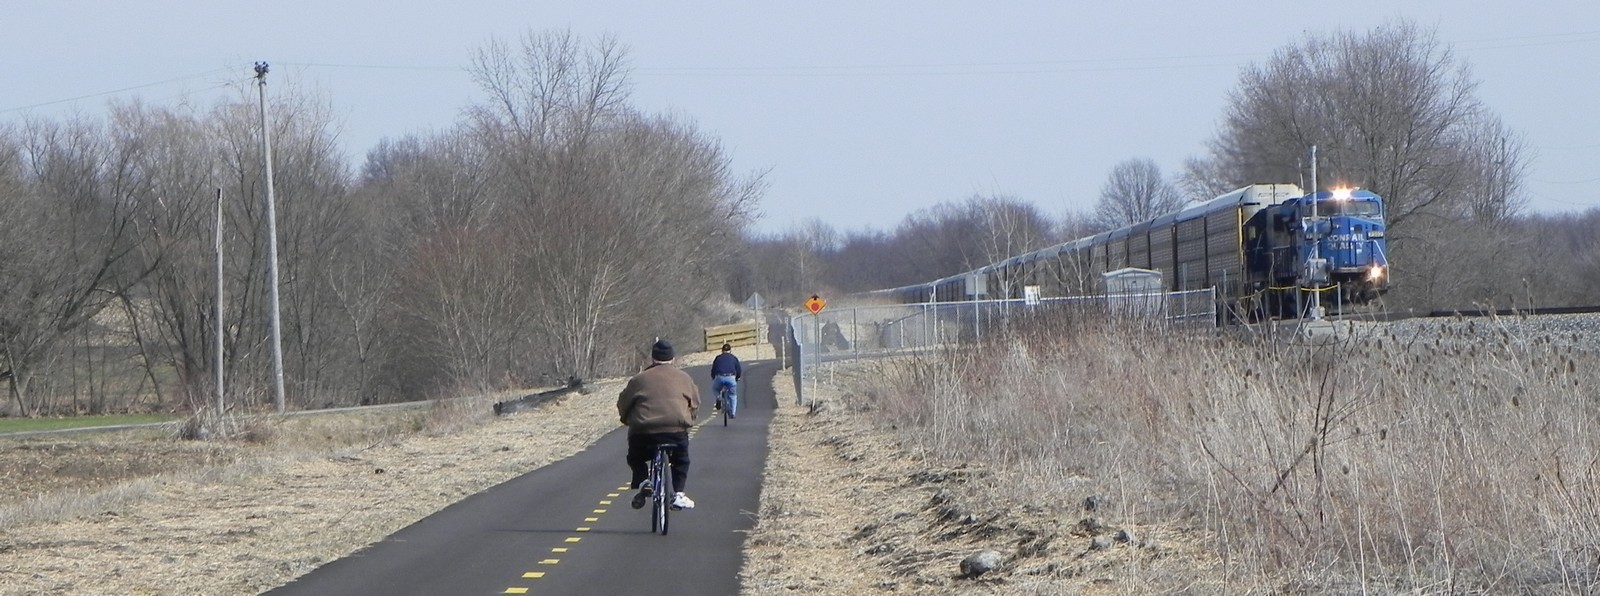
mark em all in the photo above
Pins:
pixel 725 405
pixel 660 505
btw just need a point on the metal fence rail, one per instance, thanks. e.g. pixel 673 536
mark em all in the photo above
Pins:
pixel 871 331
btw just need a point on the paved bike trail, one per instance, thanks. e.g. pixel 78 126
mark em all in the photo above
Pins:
pixel 567 528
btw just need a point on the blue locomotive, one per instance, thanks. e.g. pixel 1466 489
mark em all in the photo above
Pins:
pixel 1330 242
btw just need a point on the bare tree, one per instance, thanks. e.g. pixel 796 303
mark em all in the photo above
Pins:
pixel 615 214
pixel 1392 110
pixel 1076 224
pixel 1555 258
pixel 1135 191
pixel 175 176
pixel 779 265
pixel 1204 179
pixel 1073 276
pixel 85 217
pixel 1009 226
pixel 1496 160
pixel 813 240
pixel 461 309
pixel 428 212
pixel 23 259
pixel 862 263
pixel 429 186
pixel 952 238
pixel 938 241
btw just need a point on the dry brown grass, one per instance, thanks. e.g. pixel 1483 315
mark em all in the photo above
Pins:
pixel 238 517
pixel 1376 464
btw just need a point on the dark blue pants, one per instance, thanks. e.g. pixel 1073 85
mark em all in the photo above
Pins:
pixel 641 447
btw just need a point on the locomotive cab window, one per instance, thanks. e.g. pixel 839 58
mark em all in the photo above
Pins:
pixel 1369 209
pixel 1364 209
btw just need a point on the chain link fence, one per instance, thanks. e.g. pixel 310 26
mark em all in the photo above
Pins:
pixel 875 331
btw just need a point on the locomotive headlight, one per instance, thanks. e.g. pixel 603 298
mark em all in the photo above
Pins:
pixel 1375 273
pixel 1341 194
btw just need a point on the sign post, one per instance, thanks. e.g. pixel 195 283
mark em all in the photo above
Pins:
pixel 815 304
pixel 755 303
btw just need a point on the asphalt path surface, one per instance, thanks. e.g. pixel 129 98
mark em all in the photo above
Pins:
pixel 567 528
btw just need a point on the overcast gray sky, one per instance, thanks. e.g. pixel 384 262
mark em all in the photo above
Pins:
pixel 863 112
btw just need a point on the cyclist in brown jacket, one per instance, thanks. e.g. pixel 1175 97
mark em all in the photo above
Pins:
pixel 659 406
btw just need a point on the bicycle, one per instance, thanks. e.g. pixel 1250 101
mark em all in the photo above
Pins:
pixel 659 475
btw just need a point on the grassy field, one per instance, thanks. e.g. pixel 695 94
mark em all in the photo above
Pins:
pixel 13 425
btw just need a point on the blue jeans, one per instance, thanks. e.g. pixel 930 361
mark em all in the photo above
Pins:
pixel 720 381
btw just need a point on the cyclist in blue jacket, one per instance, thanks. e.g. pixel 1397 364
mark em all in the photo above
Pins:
pixel 726 372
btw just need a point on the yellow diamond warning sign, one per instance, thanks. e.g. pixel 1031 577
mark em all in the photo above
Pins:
pixel 815 304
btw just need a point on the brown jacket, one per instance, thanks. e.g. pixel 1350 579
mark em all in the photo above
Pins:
pixel 659 399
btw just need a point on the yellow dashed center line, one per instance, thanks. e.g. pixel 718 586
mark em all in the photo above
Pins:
pixel 568 540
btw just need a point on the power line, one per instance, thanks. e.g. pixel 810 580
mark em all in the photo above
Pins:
pixel 114 91
pixel 217 71
pixel 1539 40
pixel 1023 67
pixel 377 67
pixel 1548 199
pixel 956 65
pixel 1568 148
pixel 919 74
pixel 1591 180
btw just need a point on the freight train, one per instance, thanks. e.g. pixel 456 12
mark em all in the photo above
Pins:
pixel 1268 250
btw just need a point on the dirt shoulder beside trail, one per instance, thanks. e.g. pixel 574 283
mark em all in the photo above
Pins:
pixel 848 509
pixel 845 510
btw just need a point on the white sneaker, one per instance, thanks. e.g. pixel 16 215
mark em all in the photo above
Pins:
pixel 681 501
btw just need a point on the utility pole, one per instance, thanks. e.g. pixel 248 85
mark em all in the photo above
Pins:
pixel 217 315
pixel 272 247
pixel 1316 240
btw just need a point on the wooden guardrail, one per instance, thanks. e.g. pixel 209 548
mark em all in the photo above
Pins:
pixel 737 334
